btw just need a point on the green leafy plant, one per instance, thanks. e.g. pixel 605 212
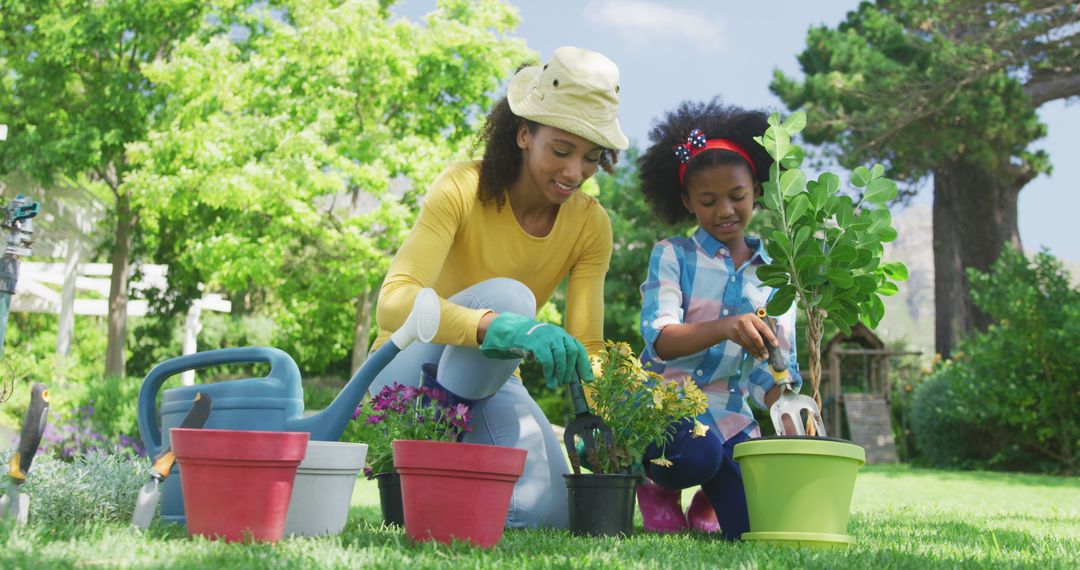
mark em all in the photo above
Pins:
pixel 639 406
pixel 97 487
pixel 827 248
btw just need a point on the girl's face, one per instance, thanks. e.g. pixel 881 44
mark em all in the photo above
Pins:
pixel 556 162
pixel 722 200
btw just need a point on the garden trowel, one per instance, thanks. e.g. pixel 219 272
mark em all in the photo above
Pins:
pixel 16 504
pixel 790 404
pixel 585 424
pixel 149 495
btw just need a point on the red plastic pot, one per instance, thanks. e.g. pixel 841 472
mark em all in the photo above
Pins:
pixel 456 490
pixel 237 484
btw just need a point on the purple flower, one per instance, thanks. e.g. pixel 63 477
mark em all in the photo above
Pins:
pixel 375 418
pixel 356 413
pixel 409 393
pixel 369 473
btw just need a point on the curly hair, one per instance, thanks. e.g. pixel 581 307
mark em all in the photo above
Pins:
pixel 501 163
pixel 658 168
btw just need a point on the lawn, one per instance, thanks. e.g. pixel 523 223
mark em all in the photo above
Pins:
pixel 902 517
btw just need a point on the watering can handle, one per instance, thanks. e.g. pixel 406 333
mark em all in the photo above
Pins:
pixel 281 366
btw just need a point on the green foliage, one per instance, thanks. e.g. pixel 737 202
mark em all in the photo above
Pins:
pixel 634 231
pixel 269 174
pixel 95 488
pixel 639 407
pixel 826 251
pixel 1008 400
pixel 921 83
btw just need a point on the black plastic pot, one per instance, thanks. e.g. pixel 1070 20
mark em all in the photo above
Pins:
pixel 601 505
pixel 390 499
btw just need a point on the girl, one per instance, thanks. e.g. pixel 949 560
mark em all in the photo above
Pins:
pixel 494 238
pixel 699 301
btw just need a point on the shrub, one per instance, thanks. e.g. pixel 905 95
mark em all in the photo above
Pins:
pixel 94 488
pixel 1008 398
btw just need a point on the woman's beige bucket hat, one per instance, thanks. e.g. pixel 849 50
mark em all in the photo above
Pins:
pixel 577 91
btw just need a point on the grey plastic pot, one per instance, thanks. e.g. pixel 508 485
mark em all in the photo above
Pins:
pixel 323 488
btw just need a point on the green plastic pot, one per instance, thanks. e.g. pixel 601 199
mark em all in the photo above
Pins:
pixel 798 489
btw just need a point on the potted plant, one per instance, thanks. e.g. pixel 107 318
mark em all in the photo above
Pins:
pixel 639 406
pixel 826 255
pixel 449 490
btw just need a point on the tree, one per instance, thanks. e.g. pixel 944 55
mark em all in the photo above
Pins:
pixel 74 96
pixel 949 89
pixel 269 174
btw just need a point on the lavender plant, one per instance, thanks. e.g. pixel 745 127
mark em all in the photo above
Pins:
pixel 404 412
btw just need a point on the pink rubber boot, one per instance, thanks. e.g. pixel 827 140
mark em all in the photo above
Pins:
pixel 661 508
pixel 701 516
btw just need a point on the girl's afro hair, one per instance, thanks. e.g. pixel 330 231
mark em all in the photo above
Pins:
pixel 659 168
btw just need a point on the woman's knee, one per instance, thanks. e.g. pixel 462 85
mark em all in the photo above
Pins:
pixel 694 459
pixel 500 294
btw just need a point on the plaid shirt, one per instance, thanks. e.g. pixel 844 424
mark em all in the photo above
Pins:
pixel 694 280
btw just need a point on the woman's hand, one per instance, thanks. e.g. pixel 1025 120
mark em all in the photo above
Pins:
pixel 508 336
pixel 748 331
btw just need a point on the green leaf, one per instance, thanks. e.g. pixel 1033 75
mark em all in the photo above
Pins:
pixel 798 207
pixel 801 235
pixel 866 283
pixel 781 301
pixel 776 143
pixel 795 122
pixel 860 177
pixel 769 196
pixel 792 182
pixel 841 277
pixel 819 194
pixel 877 311
pixel 774 119
pixel 888 289
pixel 831 182
pixel 880 191
pixel 771 272
pixel 794 157
pixel 804 262
pixel 877 170
pixel 886 235
pixel 895 270
pixel 845 212
pixel 843 254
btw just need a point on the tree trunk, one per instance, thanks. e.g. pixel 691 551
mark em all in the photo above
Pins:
pixel 125 229
pixel 362 328
pixel 974 217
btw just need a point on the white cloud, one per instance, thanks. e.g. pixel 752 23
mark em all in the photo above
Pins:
pixel 645 22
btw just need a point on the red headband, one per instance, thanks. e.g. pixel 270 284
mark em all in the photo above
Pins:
pixel 696 143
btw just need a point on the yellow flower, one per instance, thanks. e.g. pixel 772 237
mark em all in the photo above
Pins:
pixel 700 429
pixel 695 395
pixel 662 461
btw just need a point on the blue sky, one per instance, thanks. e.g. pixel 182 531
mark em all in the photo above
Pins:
pixel 672 50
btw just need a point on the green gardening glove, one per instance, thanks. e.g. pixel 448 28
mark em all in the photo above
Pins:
pixel 561 356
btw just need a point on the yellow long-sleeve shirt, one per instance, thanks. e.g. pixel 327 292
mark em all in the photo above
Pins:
pixel 458 242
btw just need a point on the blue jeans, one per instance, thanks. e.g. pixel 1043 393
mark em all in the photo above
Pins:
pixel 509 417
pixel 704 461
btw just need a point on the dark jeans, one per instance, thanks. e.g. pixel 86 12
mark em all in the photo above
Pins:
pixel 704 461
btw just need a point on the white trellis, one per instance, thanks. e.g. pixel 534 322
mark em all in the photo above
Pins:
pixel 70 214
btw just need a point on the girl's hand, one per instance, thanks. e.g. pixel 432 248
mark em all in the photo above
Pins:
pixel 749 332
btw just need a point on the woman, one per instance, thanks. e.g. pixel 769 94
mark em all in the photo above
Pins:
pixel 494 239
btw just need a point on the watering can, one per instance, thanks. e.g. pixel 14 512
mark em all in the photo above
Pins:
pixel 272 403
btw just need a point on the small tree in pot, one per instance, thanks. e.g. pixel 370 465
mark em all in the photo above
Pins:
pixel 827 248
pixel 826 255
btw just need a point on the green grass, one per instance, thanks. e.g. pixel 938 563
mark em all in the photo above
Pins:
pixel 901 517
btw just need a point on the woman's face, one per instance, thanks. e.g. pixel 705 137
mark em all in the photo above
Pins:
pixel 722 200
pixel 554 162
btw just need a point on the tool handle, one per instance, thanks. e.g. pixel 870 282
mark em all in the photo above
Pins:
pixel 194 419
pixel 776 360
pixel 37 413
pixel 577 397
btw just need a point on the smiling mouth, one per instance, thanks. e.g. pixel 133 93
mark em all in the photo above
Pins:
pixel 565 188
pixel 727 226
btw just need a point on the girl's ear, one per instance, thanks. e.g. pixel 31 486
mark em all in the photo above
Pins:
pixel 523 136
pixel 686 201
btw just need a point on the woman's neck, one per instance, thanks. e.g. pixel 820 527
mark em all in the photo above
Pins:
pixel 740 251
pixel 534 213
